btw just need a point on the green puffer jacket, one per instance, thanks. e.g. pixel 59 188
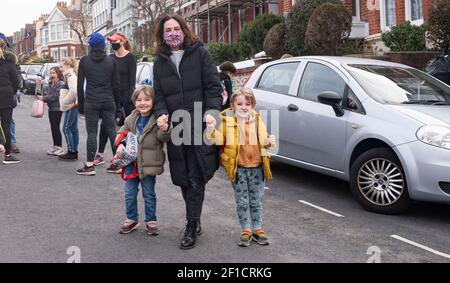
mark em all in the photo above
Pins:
pixel 151 155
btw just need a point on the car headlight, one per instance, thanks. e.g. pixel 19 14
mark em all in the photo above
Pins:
pixel 435 135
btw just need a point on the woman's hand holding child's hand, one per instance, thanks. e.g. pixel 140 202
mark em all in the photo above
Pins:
pixel 163 123
pixel 272 139
pixel 210 123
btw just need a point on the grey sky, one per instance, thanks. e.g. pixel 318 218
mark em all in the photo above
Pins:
pixel 14 14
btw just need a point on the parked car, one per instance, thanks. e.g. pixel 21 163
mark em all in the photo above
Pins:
pixel 30 76
pixel 44 77
pixel 382 126
pixel 144 74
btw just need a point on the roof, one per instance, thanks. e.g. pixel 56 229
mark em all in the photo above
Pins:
pixel 347 60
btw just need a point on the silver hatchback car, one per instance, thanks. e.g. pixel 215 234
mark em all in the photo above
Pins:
pixel 382 126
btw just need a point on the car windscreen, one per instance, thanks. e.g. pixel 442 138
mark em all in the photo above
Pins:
pixel 34 70
pixel 400 85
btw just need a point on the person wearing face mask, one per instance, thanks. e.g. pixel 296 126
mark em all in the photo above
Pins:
pixel 51 97
pixel 184 76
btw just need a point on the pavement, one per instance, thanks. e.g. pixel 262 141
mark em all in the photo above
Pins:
pixel 50 214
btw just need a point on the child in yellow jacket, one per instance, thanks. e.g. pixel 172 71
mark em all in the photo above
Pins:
pixel 245 159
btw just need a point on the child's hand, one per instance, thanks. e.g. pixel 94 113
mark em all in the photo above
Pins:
pixel 120 151
pixel 162 121
pixel 272 139
pixel 2 148
pixel 210 122
pixel 165 127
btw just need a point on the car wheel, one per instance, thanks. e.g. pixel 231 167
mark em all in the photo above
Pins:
pixel 378 182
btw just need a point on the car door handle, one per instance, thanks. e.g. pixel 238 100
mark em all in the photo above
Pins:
pixel 292 108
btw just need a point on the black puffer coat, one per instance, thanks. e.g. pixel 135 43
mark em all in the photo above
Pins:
pixel 198 81
pixel 9 81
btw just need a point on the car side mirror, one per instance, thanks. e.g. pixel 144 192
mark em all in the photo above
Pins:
pixel 333 99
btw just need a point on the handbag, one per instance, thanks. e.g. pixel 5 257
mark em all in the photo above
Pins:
pixel 37 109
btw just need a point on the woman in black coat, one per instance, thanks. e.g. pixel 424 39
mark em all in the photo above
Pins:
pixel 9 84
pixel 185 78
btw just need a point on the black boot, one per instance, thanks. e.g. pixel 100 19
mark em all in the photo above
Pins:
pixel 190 235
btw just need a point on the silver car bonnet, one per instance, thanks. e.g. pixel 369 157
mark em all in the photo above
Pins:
pixel 426 114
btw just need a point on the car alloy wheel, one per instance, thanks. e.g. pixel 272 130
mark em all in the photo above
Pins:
pixel 381 181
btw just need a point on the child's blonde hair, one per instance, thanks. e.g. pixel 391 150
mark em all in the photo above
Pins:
pixel 247 93
pixel 71 62
pixel 146 90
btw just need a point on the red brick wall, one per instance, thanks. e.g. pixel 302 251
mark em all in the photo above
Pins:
pixel 426 9
pixel 400 11
pixel 287 6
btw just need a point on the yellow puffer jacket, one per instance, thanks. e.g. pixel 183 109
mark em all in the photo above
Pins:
pixel 228 135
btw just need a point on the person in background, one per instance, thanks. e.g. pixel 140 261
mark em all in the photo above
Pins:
pixel 9 85
pixel 51 97
pixel 227 71
pixel 127 67
pixel 101 99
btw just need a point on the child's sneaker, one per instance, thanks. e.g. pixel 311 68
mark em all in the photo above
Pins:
pixel 128 226
pixel 246 238
pixel 86 171
pixel 10 159
pixel 98 160
pixel 260 237
pixel 152 229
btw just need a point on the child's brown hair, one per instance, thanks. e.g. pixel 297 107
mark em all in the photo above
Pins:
pixel 147 90
pixel 247 93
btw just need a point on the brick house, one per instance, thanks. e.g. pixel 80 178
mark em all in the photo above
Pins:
pixel 57 39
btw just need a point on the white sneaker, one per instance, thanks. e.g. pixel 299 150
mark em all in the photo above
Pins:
pixel 52 150
pixel 59 151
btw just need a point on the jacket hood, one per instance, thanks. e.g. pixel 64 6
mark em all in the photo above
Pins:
pixel 97 55
pixel 10 57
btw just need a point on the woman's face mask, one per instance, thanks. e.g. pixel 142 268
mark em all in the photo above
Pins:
pixel 174 38
pixel 116 46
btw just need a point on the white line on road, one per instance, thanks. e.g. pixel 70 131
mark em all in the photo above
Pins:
pixel 321 208
pixel 421 246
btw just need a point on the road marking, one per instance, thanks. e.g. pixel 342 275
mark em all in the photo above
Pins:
pixel 266 188
pixel 321 208
pixel 421 246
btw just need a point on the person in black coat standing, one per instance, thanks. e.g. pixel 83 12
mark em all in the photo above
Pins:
pixel 227 71
pixel 9 84
pixel 101 99
pixel 185 76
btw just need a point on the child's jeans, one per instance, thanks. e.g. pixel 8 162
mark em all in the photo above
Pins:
pixel 70 129
pixel 249 192
pixel 148 192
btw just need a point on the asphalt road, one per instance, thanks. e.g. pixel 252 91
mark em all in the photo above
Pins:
pixel 50 214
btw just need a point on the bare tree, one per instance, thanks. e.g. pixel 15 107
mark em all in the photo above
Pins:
pixel 80 22
pixel 152 11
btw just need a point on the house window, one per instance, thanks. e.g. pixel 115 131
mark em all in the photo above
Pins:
pixel 55 56
pixel 389 7
pixel 74 52
pixel 355 10
pixel 63 52
pixel 53 32
pixel 416 10
pixel 66 31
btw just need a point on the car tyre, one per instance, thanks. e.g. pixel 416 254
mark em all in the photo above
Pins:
pixel 378 182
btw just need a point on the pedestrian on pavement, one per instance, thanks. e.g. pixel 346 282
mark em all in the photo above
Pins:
pixel 101 99
pixel 127 67
pixel 185 76
pixel 9 84
pixel 51 97
pixel 150 160
pixel 227 71
pixel 68 101
pixel 245 160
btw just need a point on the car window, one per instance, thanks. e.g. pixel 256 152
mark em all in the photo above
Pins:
pixel 318 78
pixel 34 70
pixel 146 76
pixel 278 78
